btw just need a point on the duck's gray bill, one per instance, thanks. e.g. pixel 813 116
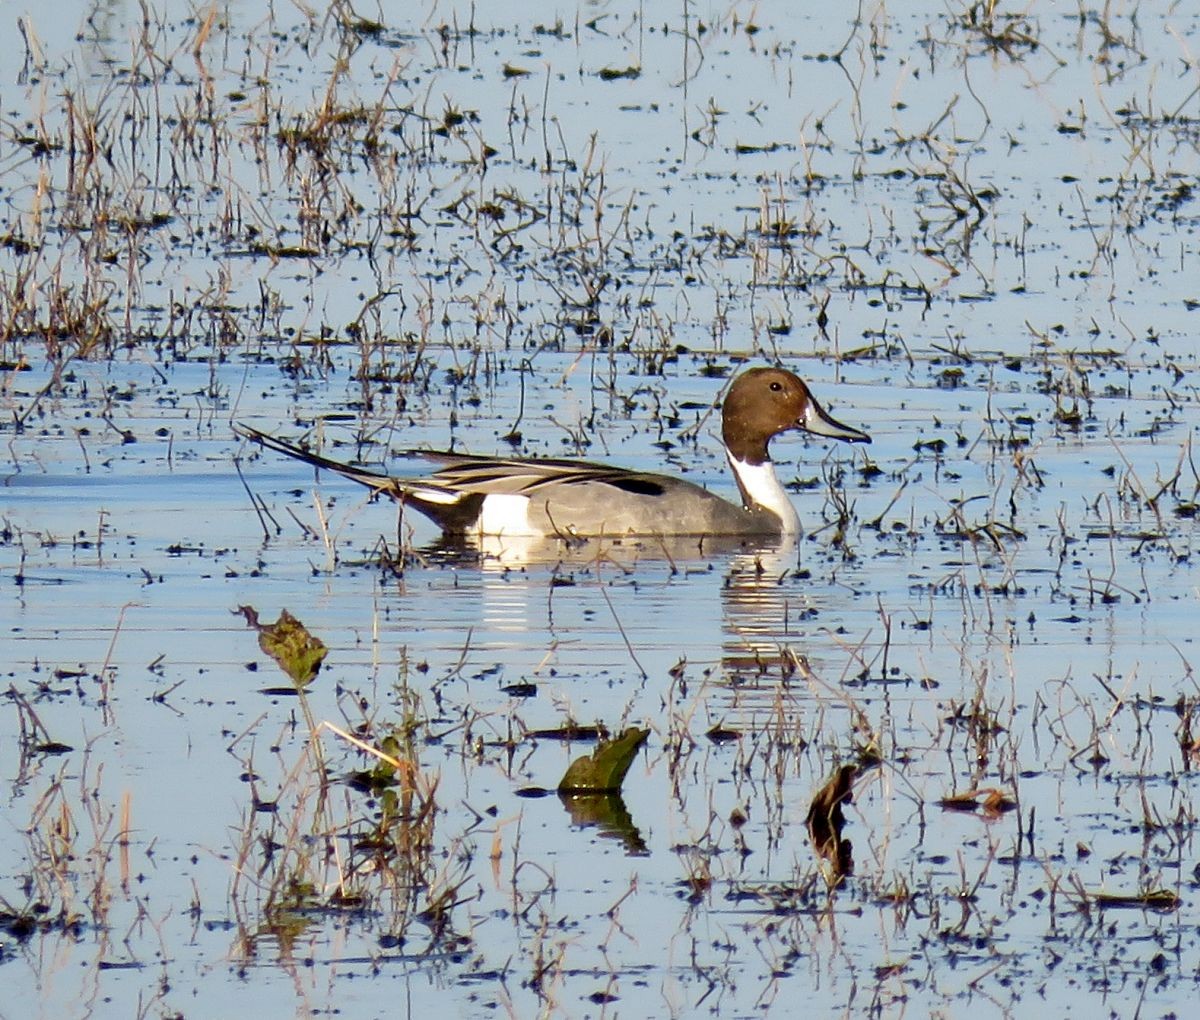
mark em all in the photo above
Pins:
pixel 818 421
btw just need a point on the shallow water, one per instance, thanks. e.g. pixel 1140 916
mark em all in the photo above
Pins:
pixel 1011 605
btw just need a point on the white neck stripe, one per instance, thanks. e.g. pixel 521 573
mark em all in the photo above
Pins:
pixel 761 487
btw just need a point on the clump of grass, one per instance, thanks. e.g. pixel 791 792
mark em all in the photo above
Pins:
pixel 370 844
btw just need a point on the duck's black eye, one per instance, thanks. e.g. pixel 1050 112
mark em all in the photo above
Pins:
pixel 776 387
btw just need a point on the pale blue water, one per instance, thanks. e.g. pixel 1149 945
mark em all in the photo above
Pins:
pixel 1089 281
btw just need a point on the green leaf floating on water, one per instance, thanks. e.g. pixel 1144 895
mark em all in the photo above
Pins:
pixel 289 643
pixel 604 769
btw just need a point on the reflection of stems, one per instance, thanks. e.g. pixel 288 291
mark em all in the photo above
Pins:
pixel 523 368
pixel 330 549
pixel 314 741
pixel 877 523
pixel 617 621
pixel 887 636
pixel 1141 491
pixel 254 502
pixel 106 668
pixel 805 671
pixel 457 667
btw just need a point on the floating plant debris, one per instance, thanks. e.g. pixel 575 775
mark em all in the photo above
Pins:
pixel 603 771
pixel 289 643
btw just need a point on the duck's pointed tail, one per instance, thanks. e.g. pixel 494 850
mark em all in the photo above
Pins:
pixel 375 480
pixel 454 511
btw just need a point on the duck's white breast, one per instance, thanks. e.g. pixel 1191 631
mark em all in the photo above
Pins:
pixel 760 483
pixel 506 514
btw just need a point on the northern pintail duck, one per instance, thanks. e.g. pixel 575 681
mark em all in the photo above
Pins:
pixel 522 497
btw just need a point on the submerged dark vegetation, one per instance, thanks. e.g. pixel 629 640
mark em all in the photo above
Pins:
pixel 942 753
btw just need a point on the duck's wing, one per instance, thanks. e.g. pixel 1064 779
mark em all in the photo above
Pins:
pixel 459 474
pixel 520 476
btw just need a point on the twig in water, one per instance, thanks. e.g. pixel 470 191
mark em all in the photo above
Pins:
pixel 617 621
pixel 237 466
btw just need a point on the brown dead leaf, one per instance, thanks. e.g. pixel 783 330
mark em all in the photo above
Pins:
pixel 992 801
